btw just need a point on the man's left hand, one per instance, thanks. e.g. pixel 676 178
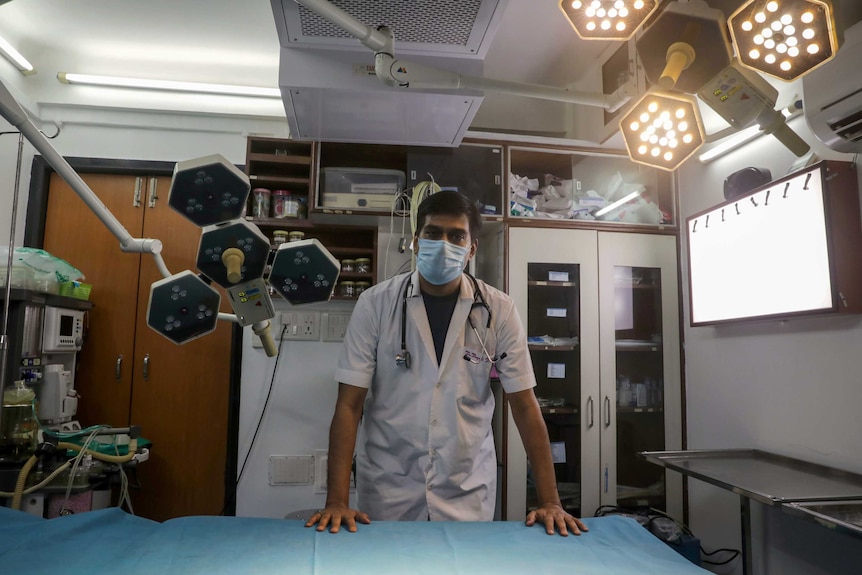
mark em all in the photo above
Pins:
pixel 553 516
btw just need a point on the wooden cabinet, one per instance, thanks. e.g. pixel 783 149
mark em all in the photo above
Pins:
pixel 601 310
pixel 278 164
pixel 128 373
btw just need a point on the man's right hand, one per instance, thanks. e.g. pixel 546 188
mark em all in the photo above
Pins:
pixel 334 516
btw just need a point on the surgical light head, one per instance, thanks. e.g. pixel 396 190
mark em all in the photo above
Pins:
pixel 232 252
pixel 183 307
pixel 663 130
pixel 304 272
pixel 785 38
pixel 208 190
pixel 607 19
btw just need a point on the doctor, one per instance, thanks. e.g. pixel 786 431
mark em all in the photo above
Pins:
pixel 415 371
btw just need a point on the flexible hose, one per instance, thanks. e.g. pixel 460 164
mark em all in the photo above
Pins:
pixel 22 479
pixel 133 447
pixel 42 483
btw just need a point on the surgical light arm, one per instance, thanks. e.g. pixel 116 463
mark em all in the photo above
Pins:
pixel 12 111
pixel 404 74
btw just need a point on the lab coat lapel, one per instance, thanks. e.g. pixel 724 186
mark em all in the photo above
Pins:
pixel 419 317
pixel 455 333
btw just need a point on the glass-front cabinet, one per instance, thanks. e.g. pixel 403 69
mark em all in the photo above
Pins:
pixel 601 313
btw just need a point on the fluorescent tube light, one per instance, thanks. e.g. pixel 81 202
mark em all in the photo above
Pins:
pixel 15 57
pixel 741 138
pixel 169 85
pixel 618 203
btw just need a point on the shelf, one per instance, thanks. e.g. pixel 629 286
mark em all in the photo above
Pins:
pixel 621 409
pixel 257 178
pixel 278 159
pixel 637 345
pixel 541 347
pixel 551 284
pixel 564 410
pixel 353 275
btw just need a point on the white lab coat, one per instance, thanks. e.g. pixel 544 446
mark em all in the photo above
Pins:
pixel 426 448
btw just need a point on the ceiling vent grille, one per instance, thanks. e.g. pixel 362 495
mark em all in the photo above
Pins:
pixel 461 28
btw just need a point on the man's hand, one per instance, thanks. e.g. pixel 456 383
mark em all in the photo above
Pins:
pixel 335 516
pixel 553 515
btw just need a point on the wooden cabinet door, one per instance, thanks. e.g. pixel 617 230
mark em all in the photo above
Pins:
pixel 182 405
pixel 74 233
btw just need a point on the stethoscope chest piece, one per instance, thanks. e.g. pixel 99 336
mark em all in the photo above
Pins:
pixel 403 359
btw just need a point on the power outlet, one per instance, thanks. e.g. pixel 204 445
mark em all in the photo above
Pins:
pixel 301 325
pixel 334 326
pixel 321 460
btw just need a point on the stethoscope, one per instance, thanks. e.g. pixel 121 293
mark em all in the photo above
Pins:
pixel 402 359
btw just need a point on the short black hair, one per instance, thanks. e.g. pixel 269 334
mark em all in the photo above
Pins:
pixel 450 204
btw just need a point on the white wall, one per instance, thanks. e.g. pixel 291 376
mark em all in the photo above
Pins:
pixel 789 387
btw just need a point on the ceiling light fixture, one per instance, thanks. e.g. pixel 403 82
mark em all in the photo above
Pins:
pixel 785 38
pixel 742 137
pixel 663 130
pixel 15 57
pixel 607 19
pixel 168 85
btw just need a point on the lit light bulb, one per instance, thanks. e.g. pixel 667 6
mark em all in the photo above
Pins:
pixel 772 6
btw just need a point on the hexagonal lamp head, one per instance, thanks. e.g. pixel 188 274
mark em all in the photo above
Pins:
pixel 232 252
pixel 607 19
pixel 208 190
pixel 785 39
pixel 663 129
pixel 183 307
pixel 304 272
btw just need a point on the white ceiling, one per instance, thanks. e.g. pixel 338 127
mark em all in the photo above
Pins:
pixel 235 42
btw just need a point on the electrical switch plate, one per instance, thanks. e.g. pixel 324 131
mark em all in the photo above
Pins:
pixel 301 325
pixel 291 469
pixel 334 326
pixel 321 460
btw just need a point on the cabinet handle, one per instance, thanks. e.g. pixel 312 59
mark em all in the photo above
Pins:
pixel 412 175
pixel 590 403
pixel 119 372
pixel 153 194
pixel 139 185
pixel 607 411
pixel 146 367
pixel 496 179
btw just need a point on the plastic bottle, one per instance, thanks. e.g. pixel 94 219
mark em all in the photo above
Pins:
pixel 19 434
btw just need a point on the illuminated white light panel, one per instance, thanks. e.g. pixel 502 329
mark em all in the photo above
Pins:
pixel 761 255
pixel 607 19
pixel 663 130
pixel 784 38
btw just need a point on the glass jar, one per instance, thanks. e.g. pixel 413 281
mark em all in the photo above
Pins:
pixel 363 265
pixel 279 237
pixel 19 432
pixel 347 289
pixel 295 236
pixel 261 200
pixel 360 287
pixel 348 265
pixel 284 204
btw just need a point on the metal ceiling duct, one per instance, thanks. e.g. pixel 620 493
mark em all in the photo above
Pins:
pixel 327 77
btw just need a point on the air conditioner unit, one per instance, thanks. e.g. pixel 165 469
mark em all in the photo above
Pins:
pixel 833 97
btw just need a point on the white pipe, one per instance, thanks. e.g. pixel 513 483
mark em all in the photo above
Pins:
pixel 15 115
pixel 370 38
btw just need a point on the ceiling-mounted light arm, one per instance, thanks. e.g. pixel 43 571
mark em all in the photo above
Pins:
pixel 411 75
pixel 371 38
pixel 15 115
pixel 404 74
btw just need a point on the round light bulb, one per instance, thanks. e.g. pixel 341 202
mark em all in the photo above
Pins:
pixel 758 40
pixel 591 26
pixel 612 13
pixel 781 48
pixel 787 19
pixel 777 25
pixel 769 44
pixel 769 59
pixel 668 156
pixel 786 65
pixel 601 12
pixel 644 117
pixel 577 4
pixel 643 150
pixel 813 48
pixel 652 107
pixel 772 6
pixel 747 26
pixel 688 138
pixel 682 126
pixel 807 18
pixel 792 41
pixel 754 54
pixel 760 17
pixel 793 52
pixel 606 24
pixel 808 33
pixel 624 12
pixel 621 26
pixel 655 152
pixel 634 127
pixel 638 5
pixel 680 113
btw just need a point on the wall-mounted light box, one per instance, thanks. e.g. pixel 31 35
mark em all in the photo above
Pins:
pixel 786 249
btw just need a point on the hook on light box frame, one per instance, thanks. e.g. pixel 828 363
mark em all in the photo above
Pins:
pixel 753 201
pixel 807 179
pixel 738 213
pixel 786 187
pixel 766 202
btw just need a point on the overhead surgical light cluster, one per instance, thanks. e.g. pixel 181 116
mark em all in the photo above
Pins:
pixel 607 19
pixel 784 39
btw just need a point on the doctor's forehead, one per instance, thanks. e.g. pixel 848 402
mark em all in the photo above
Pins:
pixel 446 222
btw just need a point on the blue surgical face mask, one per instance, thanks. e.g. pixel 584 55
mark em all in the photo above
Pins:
pixel 440 262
